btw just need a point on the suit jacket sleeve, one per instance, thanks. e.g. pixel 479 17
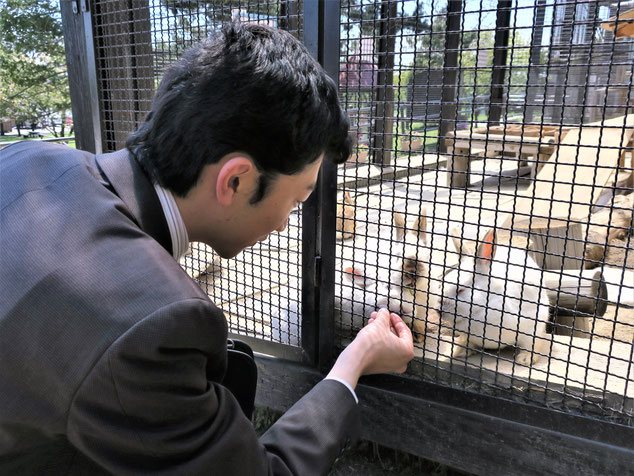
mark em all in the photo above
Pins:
pixel 152 404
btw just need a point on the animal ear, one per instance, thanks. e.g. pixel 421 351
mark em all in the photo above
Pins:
pixel 347 198
pixel 356 277
pixel 420 225
pixel 463 246
pixel 455 237
pixel 399 225
pixel 486 249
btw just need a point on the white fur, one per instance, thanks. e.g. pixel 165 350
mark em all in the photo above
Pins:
pixel 409 281
pixel 356 298
pixel 509 309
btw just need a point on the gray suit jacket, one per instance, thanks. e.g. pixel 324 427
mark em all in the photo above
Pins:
pixel 110 356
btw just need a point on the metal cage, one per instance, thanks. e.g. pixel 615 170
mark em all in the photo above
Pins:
pixel 488 201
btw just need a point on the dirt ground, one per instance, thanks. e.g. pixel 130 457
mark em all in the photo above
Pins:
pixel 369 459
pixel 616 324
pixel 620 252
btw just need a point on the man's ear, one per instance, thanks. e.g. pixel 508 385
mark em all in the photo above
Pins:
pixel 232 178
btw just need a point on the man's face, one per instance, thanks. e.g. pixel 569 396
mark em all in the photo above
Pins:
pixel 253 222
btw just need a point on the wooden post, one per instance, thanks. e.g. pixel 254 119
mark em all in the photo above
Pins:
pixel 534 60
pixel 577 296
pixel 450 72
pixel 555 243
pixel 82 75
pixel 500 49
pixel 384 124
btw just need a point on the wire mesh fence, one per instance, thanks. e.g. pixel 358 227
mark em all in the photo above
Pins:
pixel 488 199
pixel 134 42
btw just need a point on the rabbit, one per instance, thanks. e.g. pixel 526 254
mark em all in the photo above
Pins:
pixel 345 223
pixel 356 296
pixel 494 299
pixel 409 284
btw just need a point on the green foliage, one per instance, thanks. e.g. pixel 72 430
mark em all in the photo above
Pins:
pixel 33 77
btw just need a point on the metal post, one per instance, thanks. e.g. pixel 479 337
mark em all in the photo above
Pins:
pixel 450 71
pixel 500 52
pixel 82 74
pixel 321 37
pixel 311 215
pixel 384 123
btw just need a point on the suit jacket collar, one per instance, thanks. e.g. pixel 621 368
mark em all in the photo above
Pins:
pixel 132 185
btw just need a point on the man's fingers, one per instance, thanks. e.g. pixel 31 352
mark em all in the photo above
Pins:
pixel 399 326
pixel 383 315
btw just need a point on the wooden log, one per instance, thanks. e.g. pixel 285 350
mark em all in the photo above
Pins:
pixel 576 297
pixel 556 243
pixel 458 168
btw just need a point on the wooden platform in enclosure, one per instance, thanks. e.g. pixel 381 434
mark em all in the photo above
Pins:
pixel 576 155
pixel 524 143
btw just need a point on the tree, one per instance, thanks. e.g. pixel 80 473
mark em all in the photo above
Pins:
pixel 33 76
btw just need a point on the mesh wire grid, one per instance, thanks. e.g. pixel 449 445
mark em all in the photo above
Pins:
pixel 134 41
pixel 468 116
pixel 489 197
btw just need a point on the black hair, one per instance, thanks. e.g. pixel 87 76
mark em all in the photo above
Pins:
pixel 249 88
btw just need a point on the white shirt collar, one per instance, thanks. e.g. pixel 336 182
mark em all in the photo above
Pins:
pixel 178 232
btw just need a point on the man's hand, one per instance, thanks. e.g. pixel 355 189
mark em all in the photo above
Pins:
pixel 383 345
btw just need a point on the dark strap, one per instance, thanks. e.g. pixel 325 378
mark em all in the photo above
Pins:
pixel 242 375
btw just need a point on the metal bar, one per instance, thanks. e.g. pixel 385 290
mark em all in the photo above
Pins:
pixel 450 72
pixel 384 124
pixel 329 59
pixel 82 74
pixel 265 347
pixel 311 216
pixel 321 37
pixel 500 53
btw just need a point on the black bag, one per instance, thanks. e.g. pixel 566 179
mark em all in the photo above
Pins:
pixel 242 375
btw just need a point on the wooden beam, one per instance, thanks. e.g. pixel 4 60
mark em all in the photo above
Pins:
pixel 467 431
pixel 82 76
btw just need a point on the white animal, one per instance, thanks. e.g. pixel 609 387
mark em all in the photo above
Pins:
pixel 494 300
pixel 356 296
pixel 409 283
